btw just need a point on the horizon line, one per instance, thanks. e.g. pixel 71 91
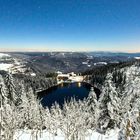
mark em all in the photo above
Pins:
pixel 45 51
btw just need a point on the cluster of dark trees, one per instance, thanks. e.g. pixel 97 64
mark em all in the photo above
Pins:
pixel 37 83
pixel 98 74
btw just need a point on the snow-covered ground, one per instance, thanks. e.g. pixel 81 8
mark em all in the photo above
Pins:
pixel 5 67
pixel 4 55
pixel 138 58
pixel 100 63
pixel 26 135
pixel 13 65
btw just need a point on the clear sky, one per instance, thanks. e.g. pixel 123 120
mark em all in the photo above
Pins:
pixel 70 25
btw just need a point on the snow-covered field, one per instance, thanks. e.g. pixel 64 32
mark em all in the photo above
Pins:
pixel 26 135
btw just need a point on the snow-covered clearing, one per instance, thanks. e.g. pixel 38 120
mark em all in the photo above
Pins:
pixel 28 135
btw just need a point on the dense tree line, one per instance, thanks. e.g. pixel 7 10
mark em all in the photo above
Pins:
pixel 37 83
pixel 98 74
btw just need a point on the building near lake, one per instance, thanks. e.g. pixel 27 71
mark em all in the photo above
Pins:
pixel 69 77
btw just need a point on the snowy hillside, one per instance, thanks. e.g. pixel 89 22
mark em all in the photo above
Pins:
pixel 4 55
pixel 14 65
pixel 3 59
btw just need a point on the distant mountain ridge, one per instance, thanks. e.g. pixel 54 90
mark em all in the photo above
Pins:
pixel 104 53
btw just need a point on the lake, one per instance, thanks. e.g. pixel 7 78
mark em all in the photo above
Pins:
pixel 65 91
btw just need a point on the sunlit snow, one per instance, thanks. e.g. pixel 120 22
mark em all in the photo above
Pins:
pixel 26 135
pixel 5 67
pixel 4 55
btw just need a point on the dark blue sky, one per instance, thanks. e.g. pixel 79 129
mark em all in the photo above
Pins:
pixel 112 25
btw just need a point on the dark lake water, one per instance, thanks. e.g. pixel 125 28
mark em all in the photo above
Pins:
pixel 65 91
